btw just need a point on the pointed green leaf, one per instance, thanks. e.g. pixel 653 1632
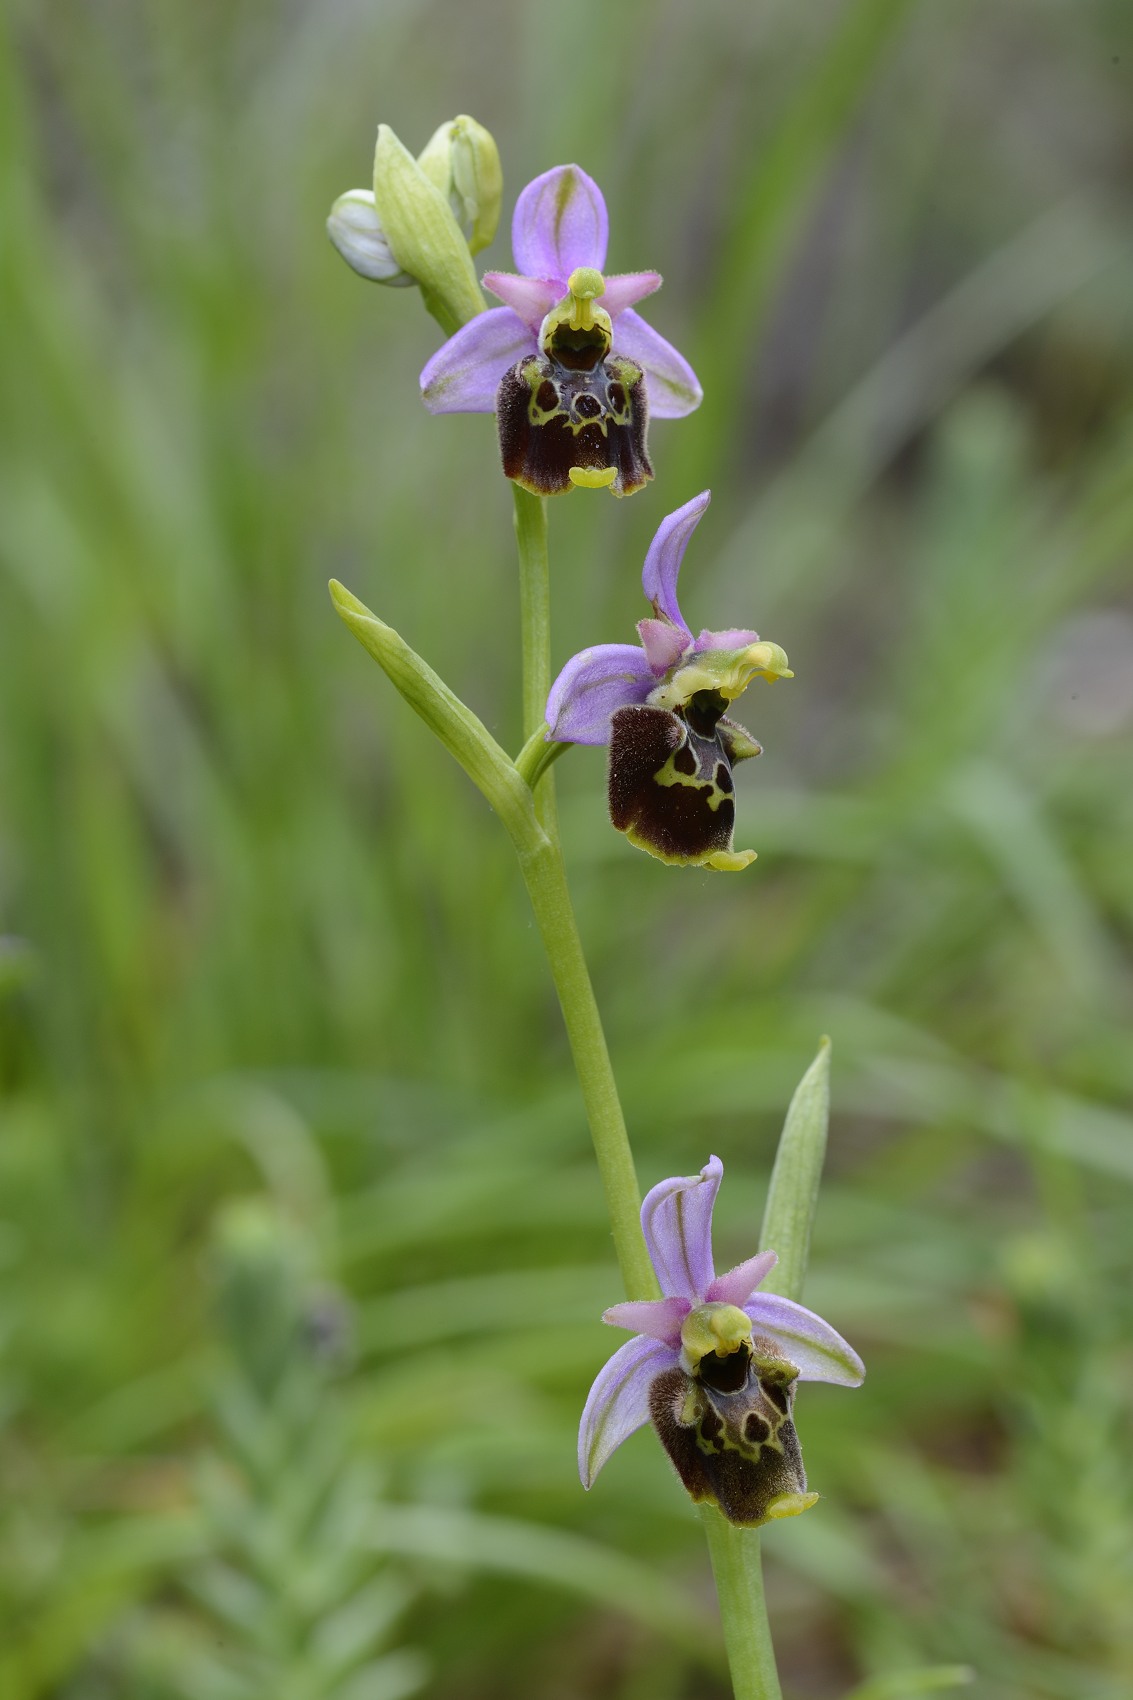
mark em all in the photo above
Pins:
pixel 792 1196
pixel 459 730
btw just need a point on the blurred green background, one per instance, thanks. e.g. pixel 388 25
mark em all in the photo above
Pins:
pixel 301 1244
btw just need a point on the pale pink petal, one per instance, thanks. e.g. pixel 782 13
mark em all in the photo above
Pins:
pixel 464 375
pixel 676 1219
pixel 591 686
pixel 619 1401
pixel 808 1341
pixel 734 639
pixel 560 222
pixel 737 1286
pixel 674 388
pixel 531 297
pixel 663 644
pixel 659 1318
pixel 666 552
pixel 624 288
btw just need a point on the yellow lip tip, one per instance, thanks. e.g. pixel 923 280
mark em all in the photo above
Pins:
pixel 790 1505
pixel 592 477
pixel 730 861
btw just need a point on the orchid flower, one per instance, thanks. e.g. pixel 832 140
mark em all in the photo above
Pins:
pixel 714 1365
pixel 572 371
pixel 661 708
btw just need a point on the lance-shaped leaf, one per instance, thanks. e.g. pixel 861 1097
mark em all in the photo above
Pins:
pixel 463 735
pixel 792 1196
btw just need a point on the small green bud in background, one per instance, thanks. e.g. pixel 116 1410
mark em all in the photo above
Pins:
pixel 356 231
pixel 461 158
pixel 262 1272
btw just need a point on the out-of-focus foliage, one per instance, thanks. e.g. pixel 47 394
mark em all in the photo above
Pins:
pixel 302 1251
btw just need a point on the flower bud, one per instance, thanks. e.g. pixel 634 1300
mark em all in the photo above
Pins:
pixel 461 159
pixel 423 235
pixel 356 231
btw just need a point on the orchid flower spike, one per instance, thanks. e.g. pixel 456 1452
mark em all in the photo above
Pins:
pixel 571 370
pixel 714 1365
pixel 662 710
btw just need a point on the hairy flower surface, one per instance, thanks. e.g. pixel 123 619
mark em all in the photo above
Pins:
pixel 571 370
pixel 662 710
pixel 714 1365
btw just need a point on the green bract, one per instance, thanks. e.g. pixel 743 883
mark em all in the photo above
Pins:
pixel 423 234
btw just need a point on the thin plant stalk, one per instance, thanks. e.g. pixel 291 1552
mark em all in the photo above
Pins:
pixel 545 878
pixel 738 1572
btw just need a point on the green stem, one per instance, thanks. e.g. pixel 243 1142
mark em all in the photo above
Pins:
pixel 743 1610
pixel 535 625
pixel 537 755
pixel 545 877
pixel 534 604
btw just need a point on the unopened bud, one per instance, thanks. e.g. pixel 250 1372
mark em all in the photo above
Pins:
pixel 356 231
pixel 423 235
pixel 462 161
pixel 478 179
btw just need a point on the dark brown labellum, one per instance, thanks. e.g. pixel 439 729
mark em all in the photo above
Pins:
pixel 728 1431
pixel 553 416
pixel 670 780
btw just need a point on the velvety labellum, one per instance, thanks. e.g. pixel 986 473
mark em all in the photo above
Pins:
pixel 729 1432
pixel 554 417
pixel 670 780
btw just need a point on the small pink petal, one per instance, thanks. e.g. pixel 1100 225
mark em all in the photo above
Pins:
pixel 734 639
pixel 664 644
pixel 659 1318
pixel 737 1286
pixel 531 297
pixel 624 288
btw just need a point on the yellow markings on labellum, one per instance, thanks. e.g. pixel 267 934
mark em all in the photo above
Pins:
pixel 592 477
pixel 671 774
pixel 715 1327
pixel 730 861
pixel 721 861
pixel 790 1505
